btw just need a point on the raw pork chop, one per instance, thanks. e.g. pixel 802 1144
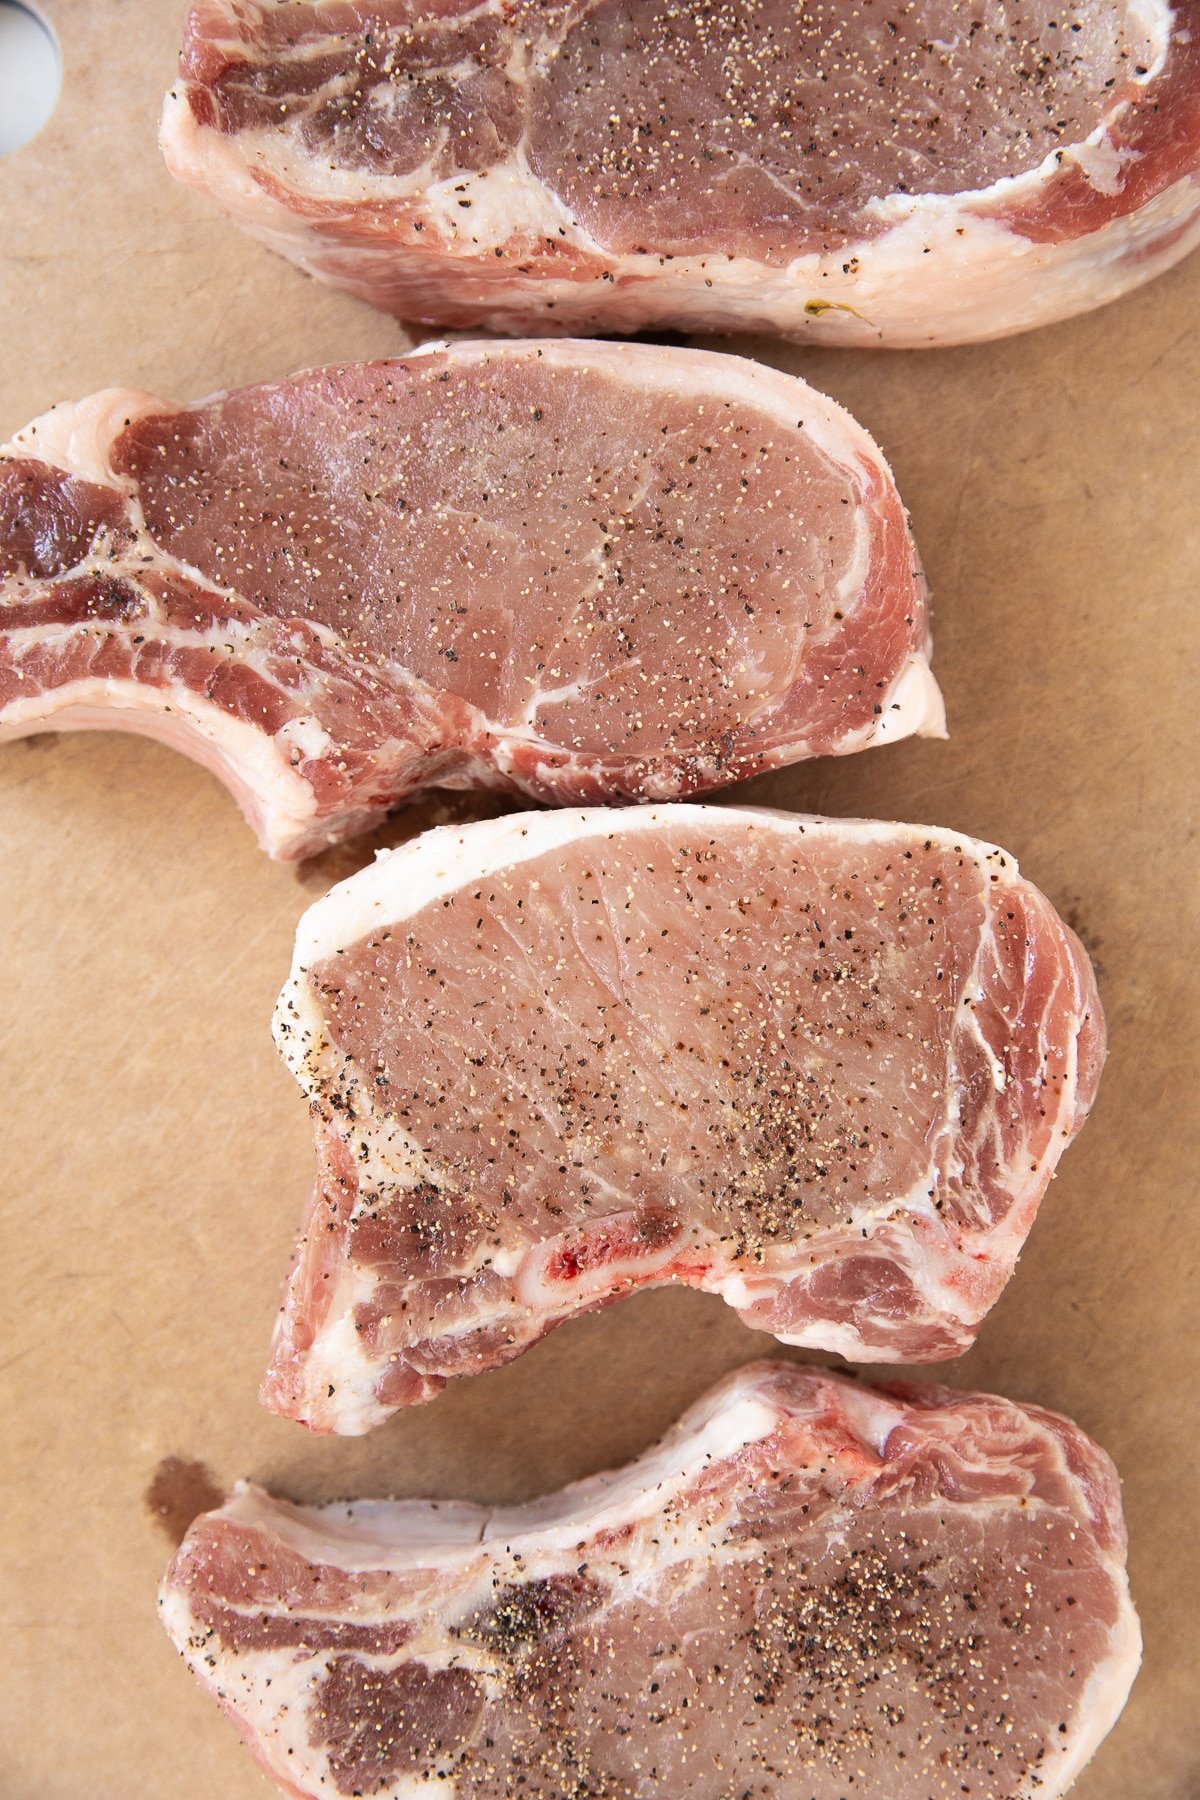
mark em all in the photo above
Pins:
pixel 575 571
pixel 930 173
pixel 808 1590
pixel 824 1069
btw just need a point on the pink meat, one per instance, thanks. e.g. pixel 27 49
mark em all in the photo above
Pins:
pixel 822 1068
pixel 809 1589
pixel 573 571
pixel 930 173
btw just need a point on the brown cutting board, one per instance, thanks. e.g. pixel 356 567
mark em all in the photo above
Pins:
pixel 155 1156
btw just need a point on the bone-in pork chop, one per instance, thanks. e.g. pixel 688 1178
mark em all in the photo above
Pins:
pixel 823 1068
pixel 809 1590
pixel 576 571
pixel 930 173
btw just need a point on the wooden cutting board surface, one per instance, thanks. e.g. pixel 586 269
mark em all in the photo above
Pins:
pixel 155 1156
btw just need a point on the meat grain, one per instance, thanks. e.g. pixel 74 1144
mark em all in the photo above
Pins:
pixel 579 572
pixel 808 1589
pixel 922 174
pixel 822 1068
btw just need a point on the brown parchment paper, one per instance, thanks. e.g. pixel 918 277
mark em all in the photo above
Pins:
pixel 155 1155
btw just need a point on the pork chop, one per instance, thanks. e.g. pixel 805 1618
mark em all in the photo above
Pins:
pixel 932 173
pixel 821 1068
pixel 575 571
pixel 809 1589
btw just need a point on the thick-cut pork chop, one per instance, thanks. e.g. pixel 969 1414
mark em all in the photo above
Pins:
pixel 928 173
pixel 809 1590
pixel 575 571
pixel 822 1068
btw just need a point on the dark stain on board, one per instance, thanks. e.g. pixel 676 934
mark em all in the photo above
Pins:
pixel 1091 940
pixel 180 1491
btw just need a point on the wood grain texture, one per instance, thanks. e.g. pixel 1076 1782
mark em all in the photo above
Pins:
pixel 156 1155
